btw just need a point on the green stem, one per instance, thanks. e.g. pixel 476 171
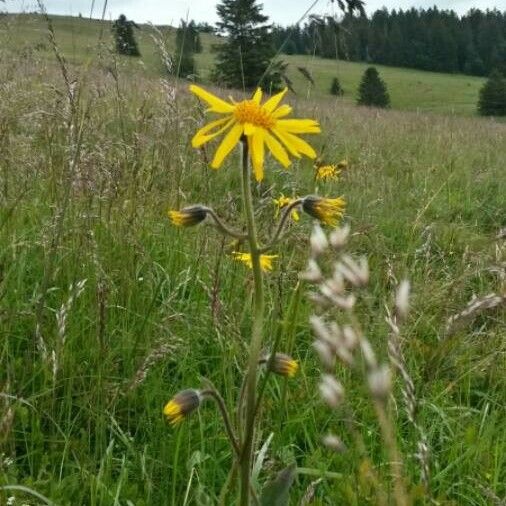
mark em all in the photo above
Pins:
pixel 256 335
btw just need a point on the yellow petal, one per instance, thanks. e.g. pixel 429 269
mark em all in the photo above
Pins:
pixel 299 126
pixel 203 135
pixel 282 111
pixel 277 150
pixel 300 145
pixel 285 140
pixel 228 143
pixel 217 104
pixel 257 150
pixel 274 101
pixel 249 129
pixel 257 97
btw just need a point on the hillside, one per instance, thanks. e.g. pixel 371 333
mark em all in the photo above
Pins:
pixel 410 89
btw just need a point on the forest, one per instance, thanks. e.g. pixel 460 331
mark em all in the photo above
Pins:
pixel 431 39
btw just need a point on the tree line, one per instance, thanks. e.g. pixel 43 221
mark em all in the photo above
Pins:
pixel 426 39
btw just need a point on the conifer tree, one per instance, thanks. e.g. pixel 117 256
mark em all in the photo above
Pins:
pixel 244 57
pixel 373 90
pixel 492 100
pixel 124 37
pixel 187 44
pixel 336 88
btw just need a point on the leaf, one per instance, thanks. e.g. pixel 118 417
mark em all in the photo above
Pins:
pixel 276 492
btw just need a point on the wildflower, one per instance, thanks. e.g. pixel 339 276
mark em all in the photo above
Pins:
pixel 261 124
pixel 265 260
pixel 181 405
pixel 281 364
pixel 328 211
pixel 188 216
pixel 327 172
pixel 282 202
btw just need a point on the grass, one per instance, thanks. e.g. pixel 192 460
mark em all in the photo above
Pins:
pixel 425 199
pixel 409 89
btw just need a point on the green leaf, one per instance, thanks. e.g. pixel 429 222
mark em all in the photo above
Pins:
pixel 276 492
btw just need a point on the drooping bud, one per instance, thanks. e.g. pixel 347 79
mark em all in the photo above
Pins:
pixel 188 216
pixel 182 404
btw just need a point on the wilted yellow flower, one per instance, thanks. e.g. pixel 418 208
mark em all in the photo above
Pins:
pixel 282 364
pixel 188 216
pixel 328 211
pixel 283 201
pixel 265 260
pixel 182 405
pixel 327 172
pixel 260 123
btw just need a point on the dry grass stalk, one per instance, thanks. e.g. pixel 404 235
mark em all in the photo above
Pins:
pixel 476 306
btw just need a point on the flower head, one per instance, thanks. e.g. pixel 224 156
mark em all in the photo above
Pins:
pixel 181 405
pixel 282 202
pixel 327 172
pixel 265 260
pixel 281 364
pixel 188 216
pixel 328 211
pixel 261 124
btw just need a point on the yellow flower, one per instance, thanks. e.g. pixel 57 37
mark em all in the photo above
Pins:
pixel 327 172
pixel 181 405
pixel 188 216
pixel 328 211
pixel 265 260
pixel 283 201
pixel 261 124
pixel 283 364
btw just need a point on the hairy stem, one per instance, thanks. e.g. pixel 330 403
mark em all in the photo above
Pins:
pixel 256 336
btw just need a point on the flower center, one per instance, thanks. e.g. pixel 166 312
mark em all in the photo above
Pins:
pixel 249 111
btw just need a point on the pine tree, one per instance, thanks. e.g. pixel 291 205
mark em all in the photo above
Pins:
pixel 336 88
pixel 492 100
pixel 124 37
pixel 243 59
pixel 187 44
pixel 373 90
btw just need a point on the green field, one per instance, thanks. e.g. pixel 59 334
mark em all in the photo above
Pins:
pixel 107 311
pixel 409 89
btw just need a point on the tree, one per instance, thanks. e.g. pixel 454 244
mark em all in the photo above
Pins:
pixel 124 37
pixel 187 44
pixel 372 90
pixel 336 88
pixel 243 60
pixel 492 101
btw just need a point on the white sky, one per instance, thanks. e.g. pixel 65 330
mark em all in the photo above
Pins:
pixel 171 11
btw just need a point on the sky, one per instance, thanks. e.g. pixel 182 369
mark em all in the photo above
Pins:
pixel 169 12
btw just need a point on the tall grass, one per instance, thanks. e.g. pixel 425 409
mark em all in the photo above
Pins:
pixel 157 309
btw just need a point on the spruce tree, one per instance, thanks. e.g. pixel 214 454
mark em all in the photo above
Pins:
pixel 373 90
pixel 187 44
pixel 243 59
pixel 336 88
pixel 124 37
pixel 492 101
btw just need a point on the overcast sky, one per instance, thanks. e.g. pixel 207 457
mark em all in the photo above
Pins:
pixel 170 11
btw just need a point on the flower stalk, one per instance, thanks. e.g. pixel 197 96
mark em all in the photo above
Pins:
pixel 256 335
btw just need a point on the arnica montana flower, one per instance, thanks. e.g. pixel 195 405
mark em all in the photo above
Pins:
pixel 188 216
pixel 282 364
pixel 182 405
pixel 282 202
pixel 327 172
pixel 328 211
pixel 265 260
pixel 261 124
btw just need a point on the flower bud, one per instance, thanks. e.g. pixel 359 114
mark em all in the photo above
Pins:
pixel 182 404
pixel 188 216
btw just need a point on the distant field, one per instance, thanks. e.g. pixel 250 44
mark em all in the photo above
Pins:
pixel 409 89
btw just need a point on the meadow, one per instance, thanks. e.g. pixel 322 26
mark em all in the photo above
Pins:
pixel 106 310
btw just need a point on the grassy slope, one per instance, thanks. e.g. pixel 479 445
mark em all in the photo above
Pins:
pixel 409 89
pixel 426 198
